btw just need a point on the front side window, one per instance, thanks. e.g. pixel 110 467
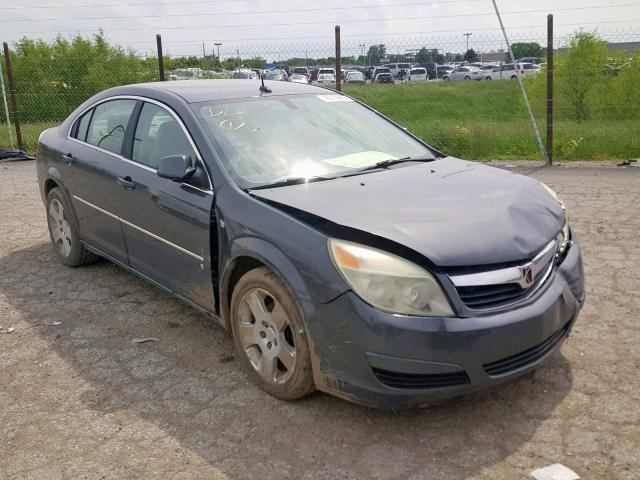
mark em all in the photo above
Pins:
pixel 270 139
pixel 158 135
pixel 109 124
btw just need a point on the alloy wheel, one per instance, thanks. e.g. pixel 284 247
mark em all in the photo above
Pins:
pixel 60 228
pixel 266 336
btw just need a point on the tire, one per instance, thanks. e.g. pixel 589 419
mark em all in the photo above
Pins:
pixel 513 77
pixel 488 78
pixel 446 79
pixel 270 336
pixel 467 77
pixel 63 231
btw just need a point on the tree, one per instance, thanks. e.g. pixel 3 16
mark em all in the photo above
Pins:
pixel 376 53
pixel 471 55
pixel 425 55
pixel 581 69
pixel 525 49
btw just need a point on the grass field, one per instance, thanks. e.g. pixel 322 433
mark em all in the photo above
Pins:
pixel 488 120
pixel 474 120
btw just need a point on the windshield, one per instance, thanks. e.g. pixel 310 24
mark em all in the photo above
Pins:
pixel 274 76
pixel 271 139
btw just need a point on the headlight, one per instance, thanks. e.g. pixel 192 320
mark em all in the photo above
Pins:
pixel 564 236
pixel 388 282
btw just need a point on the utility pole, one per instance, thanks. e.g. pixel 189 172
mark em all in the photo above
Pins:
pixel 467 35
pixel 363 47
pixel 203 51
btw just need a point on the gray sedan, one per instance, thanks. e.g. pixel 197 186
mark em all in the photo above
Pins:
pixel 343 253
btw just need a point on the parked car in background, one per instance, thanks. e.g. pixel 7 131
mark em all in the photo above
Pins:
pixel 395 68
pixel 384 78
pixel 354 78
pixel 299 78
pixel 326 80
pixel 344 266
pixel 300 71
pixel 508 71
pixel 278 75
pixel 442 71
pixel 326 70
pixel 418 75
pixel 368 73
pixel 379 70
pixel 464 73
pixel 244 74
pixel 534 60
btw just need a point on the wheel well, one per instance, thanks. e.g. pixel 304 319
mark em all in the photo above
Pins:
pixel 48 186
pixel 241 265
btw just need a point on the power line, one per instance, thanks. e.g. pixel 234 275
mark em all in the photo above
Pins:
pixel 377 35
pixel 99 5
pixel 366 20
pixel 253 12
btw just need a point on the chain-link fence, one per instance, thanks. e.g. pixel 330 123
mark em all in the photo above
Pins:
pixel 597 85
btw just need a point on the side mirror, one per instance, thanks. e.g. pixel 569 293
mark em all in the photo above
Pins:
pixel 176 167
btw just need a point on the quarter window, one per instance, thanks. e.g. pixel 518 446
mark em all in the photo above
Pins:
pixel 158 135
pixel 82 125
pixel 109 124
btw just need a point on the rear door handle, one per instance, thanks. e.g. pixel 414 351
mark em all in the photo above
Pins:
pixel 67 158
pixel 127 183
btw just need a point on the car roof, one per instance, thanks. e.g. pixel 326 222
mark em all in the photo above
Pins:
pixel 193 91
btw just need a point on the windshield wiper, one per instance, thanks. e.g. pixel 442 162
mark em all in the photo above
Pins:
pixel 290 181
pixel 393 161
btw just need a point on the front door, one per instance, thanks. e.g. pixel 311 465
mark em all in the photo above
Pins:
pixel 167 224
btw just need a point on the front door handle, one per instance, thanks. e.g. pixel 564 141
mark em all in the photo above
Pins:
pixel 127 183
pixel 67 158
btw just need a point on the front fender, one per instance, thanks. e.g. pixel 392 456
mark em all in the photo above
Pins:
pixel 276 260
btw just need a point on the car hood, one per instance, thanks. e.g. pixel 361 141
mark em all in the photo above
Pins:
pixel 454 212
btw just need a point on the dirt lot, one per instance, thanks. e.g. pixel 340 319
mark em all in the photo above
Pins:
pixel 79 400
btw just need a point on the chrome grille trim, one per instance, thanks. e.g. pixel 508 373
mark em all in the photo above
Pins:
pixel 541 267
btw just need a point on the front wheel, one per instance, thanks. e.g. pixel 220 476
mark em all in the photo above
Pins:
pixel 446 79
pixel 63 231
pixel 270 335
pixel 488 78
pixel 513 77
pixel 467 77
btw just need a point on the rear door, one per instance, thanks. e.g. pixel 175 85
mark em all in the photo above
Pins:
pixel 166 224
pixel 92 164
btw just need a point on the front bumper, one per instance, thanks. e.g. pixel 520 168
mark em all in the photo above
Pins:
pixel 393 361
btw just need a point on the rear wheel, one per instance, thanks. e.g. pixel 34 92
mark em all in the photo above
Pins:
pixel 488 78
pixel 446 79
pixel 467 77
pixel 269 335
pixel 63 231
pixel 513 77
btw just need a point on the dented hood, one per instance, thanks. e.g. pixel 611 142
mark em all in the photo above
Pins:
pixel 454 212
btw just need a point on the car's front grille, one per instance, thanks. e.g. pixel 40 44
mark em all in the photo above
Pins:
pixel 490 289
pixel 494 296
pixel 527 357
pixel 420 380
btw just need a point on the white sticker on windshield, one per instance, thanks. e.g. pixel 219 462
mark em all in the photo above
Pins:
pixel 334 98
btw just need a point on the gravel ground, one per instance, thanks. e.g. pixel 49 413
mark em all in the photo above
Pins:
pixel 79 400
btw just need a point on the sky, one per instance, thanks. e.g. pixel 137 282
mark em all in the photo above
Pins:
pixel 277 29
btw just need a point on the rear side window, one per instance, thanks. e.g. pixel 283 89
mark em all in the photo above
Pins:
pixel 159 135
pixel 82 125
pixel 109 124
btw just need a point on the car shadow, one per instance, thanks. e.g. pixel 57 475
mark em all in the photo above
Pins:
pixel 189 385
